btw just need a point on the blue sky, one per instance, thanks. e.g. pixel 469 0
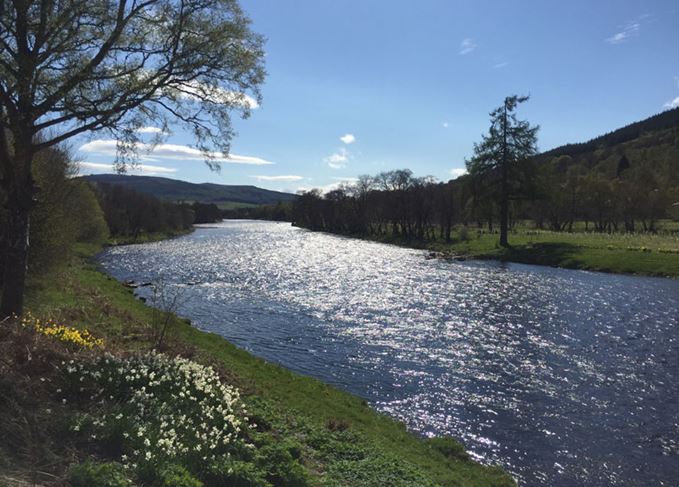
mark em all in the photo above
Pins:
pixel 410 84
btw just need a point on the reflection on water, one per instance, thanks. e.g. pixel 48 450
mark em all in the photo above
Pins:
pixel 563 377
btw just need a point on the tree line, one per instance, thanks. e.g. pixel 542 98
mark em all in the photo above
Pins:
pixel 625 188
pixel 69 210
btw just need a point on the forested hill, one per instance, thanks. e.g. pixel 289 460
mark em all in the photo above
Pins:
pixel 667 120
pixel 175 190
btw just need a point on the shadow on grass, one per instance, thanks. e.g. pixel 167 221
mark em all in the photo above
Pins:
pixel 551 254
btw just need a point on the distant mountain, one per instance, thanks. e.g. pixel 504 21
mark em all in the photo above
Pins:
pixel 175 190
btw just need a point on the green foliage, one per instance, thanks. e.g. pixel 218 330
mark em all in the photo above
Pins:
pixel 177 476
pixel 449 447
pixel 281 468
pixel 91 226
pixel 378 471
pixel 65 212
pixel 88 474
pixel 235 473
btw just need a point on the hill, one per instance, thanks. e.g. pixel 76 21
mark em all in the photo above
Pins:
pixel 662 122
pixel 175 190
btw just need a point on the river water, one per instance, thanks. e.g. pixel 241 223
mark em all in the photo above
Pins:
pixel 563 377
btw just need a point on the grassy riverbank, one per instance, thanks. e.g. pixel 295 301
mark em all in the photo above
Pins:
pixel 148 237
pixel 335 437
pixel 641 253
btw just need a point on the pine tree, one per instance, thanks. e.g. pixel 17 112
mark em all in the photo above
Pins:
pixel 497 159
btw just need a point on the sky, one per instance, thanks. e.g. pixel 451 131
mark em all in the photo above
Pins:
pixel 363 86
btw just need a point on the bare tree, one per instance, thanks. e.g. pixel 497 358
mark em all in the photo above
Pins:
pixel 68 67
pixel 165 302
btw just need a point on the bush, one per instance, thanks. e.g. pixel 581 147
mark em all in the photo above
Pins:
pixel 89 473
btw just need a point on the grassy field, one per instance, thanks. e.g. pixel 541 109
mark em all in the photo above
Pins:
pixel 639 253
pixel 340 440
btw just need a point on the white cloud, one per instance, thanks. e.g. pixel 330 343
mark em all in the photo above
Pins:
pixel 628 30
pixel 149 130
pixel 467 45
pixel 348 139
pixel 672 103
pixel 170 151
pixel 445 125
pixel 195 90
pixel 339 159
pixel 456 172
pixel 145 168
pixel 501 65
pixel 278 178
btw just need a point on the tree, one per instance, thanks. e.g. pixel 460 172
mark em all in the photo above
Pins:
pixel 72 67
pixel 498 158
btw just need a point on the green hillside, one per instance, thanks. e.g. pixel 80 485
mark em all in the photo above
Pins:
pixel 175 190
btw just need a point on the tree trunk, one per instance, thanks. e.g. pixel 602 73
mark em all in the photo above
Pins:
pixel 16 254
pixel 19 190
pixel 504 196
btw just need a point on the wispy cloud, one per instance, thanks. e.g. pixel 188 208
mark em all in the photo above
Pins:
pixel 672 103
pixel 456 172
pixel 628 30
pixel 338 159
pixel 348 138
pixel 278 178
pixel 149 130
pixel 145 168
pixel 169 151
pixel 467 45
pixel 501 65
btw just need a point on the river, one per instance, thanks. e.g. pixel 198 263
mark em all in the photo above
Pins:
pixel 563 377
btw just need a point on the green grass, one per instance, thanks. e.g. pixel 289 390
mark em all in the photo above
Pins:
pixel 344 441
pixel 640 253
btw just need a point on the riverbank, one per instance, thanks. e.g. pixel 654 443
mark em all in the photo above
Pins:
pixel 638 254
pixel 149 237
pixel 336 437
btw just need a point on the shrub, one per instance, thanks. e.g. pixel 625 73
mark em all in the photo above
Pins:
pixel 89 473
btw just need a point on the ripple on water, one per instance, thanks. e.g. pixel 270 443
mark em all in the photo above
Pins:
pixel 564 377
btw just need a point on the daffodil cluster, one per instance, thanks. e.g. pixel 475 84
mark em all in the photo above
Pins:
pixel 63 333
pixel 161 409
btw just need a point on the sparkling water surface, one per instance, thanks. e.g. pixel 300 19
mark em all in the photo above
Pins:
pixel 563 377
